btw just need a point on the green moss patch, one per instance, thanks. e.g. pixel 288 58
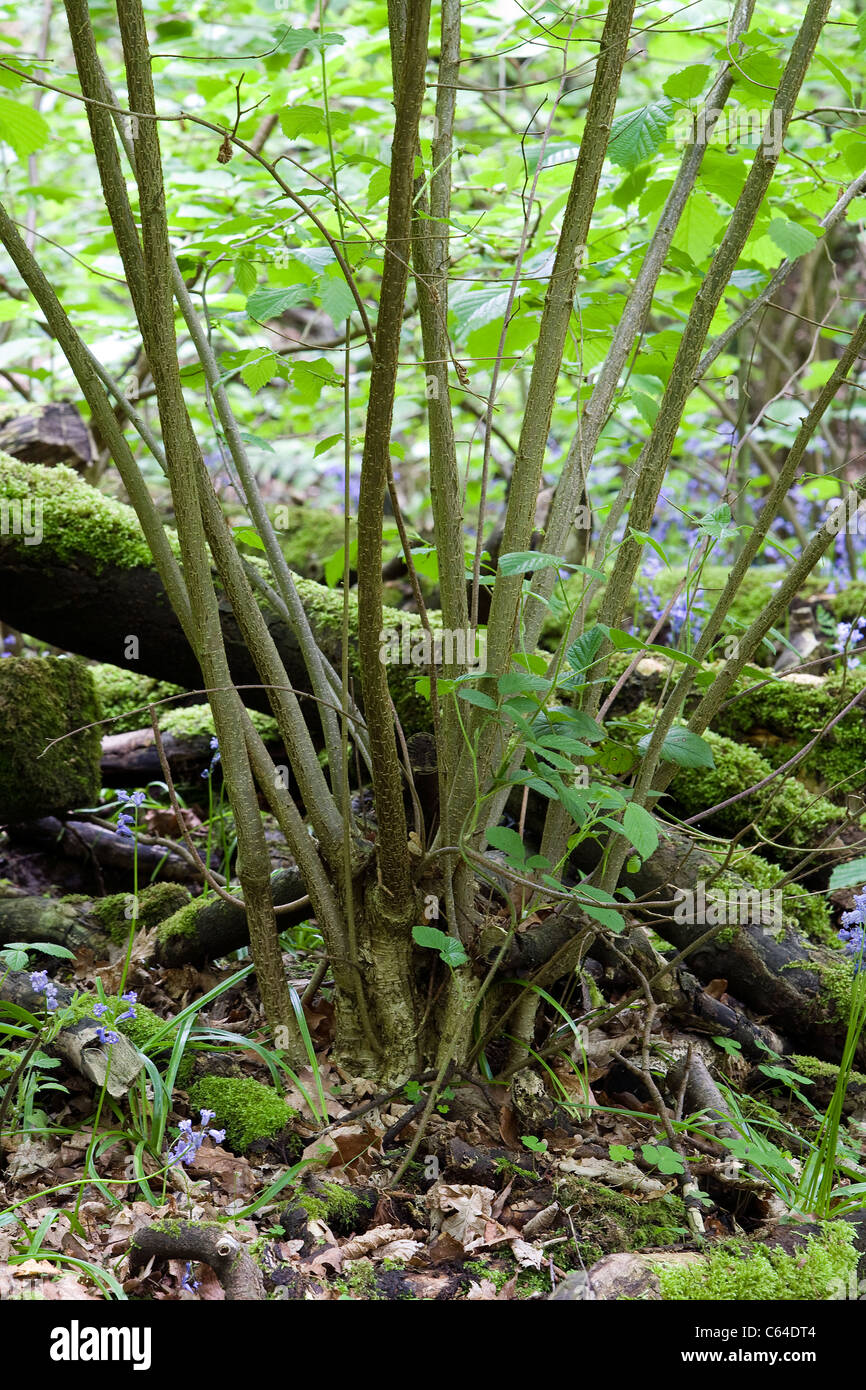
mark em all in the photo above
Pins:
pixel 608 1222
pixel 817 1270
pixel 76 519
pixel 245 1108
pixel 156 902
pixel 44 698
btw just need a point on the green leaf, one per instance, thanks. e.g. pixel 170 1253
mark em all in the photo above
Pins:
pixel 584 649
pixel 270 303
pixel 501 837
pixel 293 40
pixel 337 299
pixel 521 682
pixel 791 238
pixel 637 136
pixel 260 371
pixel 245 276
pixel 663 1157
pixel 583 725
pixel 13 960
pixel 43 948
pixel 646 539
pixel 301 120
pixel 325 444
pixel 526 561
pixel 449 948
pixel 641 828
pixel 22 127
pixel 248 536
pixel 849 875
pixel 687 83
pixel 683 747
pixel 476 697
pixel 620 1153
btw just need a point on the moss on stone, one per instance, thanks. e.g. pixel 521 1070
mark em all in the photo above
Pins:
pixel 815 1271
pixel 334 1203
pixel 793 710
pixel 308 537
pixel 822 1071
pixel 787 812
pixel 156 902
pixel 41 699
pixel 808 912
pixel 245 1108
pixel 121 691
pixel 837 981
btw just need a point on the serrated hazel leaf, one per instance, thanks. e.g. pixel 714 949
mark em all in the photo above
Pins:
pixel 636 136
pixel 24 129
pixel 269 303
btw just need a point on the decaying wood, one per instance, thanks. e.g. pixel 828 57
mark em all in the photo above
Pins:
pixel 78 1044
pixel 239 1275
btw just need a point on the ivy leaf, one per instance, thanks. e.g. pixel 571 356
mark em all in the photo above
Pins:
pixel 638 135
pixel 449 948
pixel 683 747
pixel 641 828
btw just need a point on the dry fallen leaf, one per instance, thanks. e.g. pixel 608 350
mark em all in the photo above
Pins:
pixel 462 1211
pixel 371 1242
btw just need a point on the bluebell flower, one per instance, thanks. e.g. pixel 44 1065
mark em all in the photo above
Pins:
pixel 107 1036
pixel 217 1135
pixel 850 635
pixel 129 997
pixel 99 1010
pixel 187 1282
pixel 206 1117
pixel 39 980
pixel 123 824
pixel 137 798
pixel 129 1013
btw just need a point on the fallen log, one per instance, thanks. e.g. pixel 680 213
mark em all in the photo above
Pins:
pixel 89 586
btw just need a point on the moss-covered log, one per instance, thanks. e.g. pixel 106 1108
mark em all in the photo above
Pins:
pixel 84 581
pixel 210 927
